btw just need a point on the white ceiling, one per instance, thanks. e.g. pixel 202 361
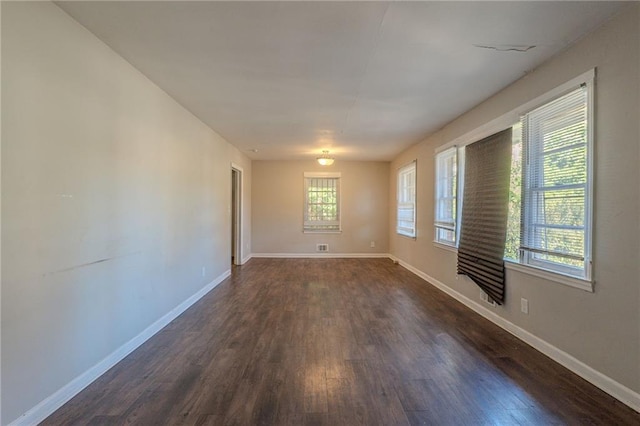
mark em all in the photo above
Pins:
pixel 362 79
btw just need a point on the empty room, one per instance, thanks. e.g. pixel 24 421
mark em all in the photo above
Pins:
pixel 319 212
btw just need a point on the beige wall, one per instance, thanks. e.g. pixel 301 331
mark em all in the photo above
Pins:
pixel 601 329
pixel 114 198
pixel 278 197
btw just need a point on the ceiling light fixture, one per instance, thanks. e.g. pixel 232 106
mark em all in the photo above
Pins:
pixel 324 159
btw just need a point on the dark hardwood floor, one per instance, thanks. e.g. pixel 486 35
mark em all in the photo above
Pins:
pixel 339 342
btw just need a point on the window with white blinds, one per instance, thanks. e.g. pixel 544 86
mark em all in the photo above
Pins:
pixel 446 196
pixel 406 218
pixel 322 202
pixel 556 205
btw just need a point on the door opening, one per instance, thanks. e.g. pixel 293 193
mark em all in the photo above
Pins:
pixel 236 215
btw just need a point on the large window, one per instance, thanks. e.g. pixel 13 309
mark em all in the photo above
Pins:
pixel 555 190
pixel 446 196
pixel 406 223
pixel 550 195
pixel 322 202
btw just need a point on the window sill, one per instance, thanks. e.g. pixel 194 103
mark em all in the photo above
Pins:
pixel 550 275
pixel 445 247
pixel 411 237
pixel 322 232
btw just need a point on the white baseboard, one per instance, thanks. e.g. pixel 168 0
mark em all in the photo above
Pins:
pixel 246 259
pixel 321 255
pixel 49 405
pixel 607 384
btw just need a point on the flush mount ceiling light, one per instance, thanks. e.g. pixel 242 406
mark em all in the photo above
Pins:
pixel 324 159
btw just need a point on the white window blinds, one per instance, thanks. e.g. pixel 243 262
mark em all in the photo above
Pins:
pixel 555 197
pixel 406 218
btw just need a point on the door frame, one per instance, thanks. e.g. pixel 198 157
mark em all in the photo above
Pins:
pixel 237 230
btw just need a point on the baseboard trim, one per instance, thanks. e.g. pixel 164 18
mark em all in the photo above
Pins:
pixel 320 255
pixel 246 259
pixel 50 404
pixel 617 390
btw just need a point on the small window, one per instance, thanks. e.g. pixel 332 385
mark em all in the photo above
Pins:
pixel 322 202
pixel 556 205
pixel 406 220
pixel 446 196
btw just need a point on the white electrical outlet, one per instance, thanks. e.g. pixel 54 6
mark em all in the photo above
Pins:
pixel 524 305
pixel 373 244
pixel 204 271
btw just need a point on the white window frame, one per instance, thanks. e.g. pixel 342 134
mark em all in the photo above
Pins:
pixel 528 256
pixel 507 120
pixel 406 199
pixel 439 222
pixel 315 227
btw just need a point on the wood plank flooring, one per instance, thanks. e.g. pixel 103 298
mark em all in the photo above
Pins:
pixel 336 342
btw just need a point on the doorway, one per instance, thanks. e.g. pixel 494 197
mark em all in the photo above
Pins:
pixel 236 215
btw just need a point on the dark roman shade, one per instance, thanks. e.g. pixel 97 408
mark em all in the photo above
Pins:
pixel 485 206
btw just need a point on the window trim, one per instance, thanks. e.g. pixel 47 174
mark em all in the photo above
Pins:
pixel 403 169
pixel 334 175
pixel 550 275
pixel 444 246
pixel 513 116
pixel 527 258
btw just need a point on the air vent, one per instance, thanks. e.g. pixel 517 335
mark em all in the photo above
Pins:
pixel 322 247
